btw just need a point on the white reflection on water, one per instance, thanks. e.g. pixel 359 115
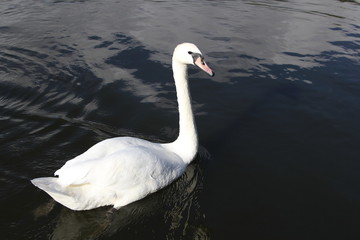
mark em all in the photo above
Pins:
pixel 264 30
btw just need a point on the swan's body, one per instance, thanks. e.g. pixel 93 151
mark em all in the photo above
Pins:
pixel 121 170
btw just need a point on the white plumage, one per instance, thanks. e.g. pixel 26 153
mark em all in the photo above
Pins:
pixel 121 170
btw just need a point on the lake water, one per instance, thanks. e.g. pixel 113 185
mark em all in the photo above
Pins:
pixel 278 125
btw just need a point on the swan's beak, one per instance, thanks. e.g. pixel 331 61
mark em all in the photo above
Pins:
pixel 202 64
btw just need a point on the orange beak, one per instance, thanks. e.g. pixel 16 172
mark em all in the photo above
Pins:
pixel 202 64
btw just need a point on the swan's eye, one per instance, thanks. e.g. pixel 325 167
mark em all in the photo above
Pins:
pixel 190 52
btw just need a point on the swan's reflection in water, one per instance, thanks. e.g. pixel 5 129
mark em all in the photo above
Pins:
pixel 173 212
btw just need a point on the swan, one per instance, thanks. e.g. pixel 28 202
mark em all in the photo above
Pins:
pixel 121 170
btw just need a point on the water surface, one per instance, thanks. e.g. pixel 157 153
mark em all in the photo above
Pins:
pixel 278 125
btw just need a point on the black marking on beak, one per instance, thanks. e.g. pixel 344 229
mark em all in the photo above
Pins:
pixel 196 56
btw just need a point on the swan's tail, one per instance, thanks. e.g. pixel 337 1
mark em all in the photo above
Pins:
pixel 59 193
pixel 75 197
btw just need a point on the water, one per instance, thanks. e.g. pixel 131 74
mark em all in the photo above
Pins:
pixel 278 124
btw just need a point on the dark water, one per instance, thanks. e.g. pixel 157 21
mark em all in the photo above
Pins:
pixel 278 125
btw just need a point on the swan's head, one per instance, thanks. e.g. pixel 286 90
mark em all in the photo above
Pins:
pixel 188 53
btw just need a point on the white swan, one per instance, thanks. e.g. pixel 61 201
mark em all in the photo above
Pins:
pixel 121 170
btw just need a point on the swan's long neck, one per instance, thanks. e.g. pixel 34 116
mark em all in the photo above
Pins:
pixel 187 143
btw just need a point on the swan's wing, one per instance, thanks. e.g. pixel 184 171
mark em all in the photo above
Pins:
pixel 125 169
pixel 75 170
pixel 105 148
